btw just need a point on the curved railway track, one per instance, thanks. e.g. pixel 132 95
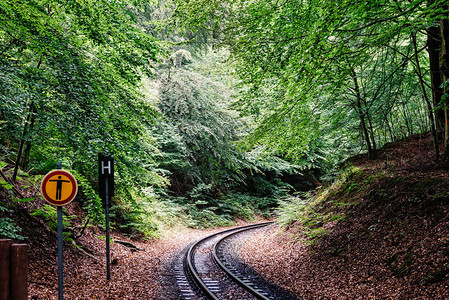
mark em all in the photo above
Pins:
pixel 215 278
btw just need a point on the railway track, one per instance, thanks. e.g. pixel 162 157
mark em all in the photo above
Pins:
pixel 207 272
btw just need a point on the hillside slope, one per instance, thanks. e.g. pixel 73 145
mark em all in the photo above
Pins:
pixel 380 231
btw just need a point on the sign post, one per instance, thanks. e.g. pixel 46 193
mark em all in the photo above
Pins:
pixel 106 190
pixel 59 188
pixel 60 257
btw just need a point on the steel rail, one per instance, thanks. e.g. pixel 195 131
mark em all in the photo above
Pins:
pixel 193 271
pixel 253 291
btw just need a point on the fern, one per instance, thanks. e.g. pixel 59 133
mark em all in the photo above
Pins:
pixel 89 198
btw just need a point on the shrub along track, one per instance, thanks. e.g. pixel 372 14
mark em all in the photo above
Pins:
pixel 209 270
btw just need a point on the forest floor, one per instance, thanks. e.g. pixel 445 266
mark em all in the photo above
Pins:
pixel 383 233
pixel 139 270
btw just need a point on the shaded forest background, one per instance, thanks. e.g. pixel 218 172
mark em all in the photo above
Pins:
pixel 213 110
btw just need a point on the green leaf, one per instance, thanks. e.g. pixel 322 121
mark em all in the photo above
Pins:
pixel 6 185
pixel 22 200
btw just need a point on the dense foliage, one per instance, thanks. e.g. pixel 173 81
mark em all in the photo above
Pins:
pixel 214 108
pixel 326 77
pixel 79 78
pixel 69 79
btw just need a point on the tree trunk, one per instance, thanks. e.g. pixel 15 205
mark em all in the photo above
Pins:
pixel 32 115
pixel 366 135
pixel 426 98
pixel 26 154
pixel 433 43
pixel 394 136
pixel 359 109
pixel 444 68
pixel 390 131
pixel 406 118
pixel 373 140
pixel 22 142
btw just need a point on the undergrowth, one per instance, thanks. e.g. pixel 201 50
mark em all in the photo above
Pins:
pixel 201 210
pixel 312 210
pixel 8 228
pixel 148 215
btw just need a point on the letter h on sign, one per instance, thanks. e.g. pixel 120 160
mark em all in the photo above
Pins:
pixel 106 168
pixel 105 175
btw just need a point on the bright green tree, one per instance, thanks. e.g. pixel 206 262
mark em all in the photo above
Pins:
pixel 308 51
pixel 70 73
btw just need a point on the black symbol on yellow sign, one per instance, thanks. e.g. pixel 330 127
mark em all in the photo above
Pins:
pixel 59 187
pixel 59 182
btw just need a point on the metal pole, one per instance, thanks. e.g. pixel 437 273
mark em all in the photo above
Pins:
pixel 60 259
pixel 108 254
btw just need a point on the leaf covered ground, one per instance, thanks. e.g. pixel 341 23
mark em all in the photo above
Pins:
pixel 135 273
pixel 382 232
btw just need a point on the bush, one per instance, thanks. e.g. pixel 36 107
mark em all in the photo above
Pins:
pixel 8 228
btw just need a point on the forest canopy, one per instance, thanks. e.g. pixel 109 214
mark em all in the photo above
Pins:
pixel 214 109
pixel 322 75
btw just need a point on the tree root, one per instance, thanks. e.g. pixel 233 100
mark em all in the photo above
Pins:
pixel 129 245
pixel 85 252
